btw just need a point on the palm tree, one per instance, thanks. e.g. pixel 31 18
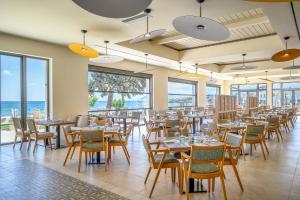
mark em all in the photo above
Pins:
pixel 108 84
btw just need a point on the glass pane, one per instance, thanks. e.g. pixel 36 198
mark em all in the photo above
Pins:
pixel 297 98
pixel 262 97
pixel 276 85
pixel 212 90
pixel 234 87
pixel 276 98
pixel 291 85
pixel 248 87
pixel 262 86
pixel 243 99
pixel 181 100
pixel 181 88
pixel 110 101
pixel 10 95
pixel 252 94
pixel 234 93
pixel 100 81
pixel 37 88
pixel 287 98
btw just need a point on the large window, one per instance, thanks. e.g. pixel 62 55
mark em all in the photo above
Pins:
pixel 286 94
pixel 211 92
pixel 182 93
pixel 24 91
pixel 111 89
pixel 250 90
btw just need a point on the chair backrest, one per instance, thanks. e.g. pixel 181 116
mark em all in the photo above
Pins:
pixel 236 142
pixel 212 127
pixel 223 121
pixel 207 154
pixel 146 124
pixel 128 132
pixel 67 130
pixel 273 121
pixel 18 125
pixel 83 121
pixel 91 136
pixel 31 126
pixel 147 147
pixel 255 129
pixel 135 116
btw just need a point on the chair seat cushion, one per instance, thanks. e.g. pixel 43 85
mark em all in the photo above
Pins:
pixel 252 137
pixel 92 145
pixel 114 140
pixel 204 168
pixel 45 134
pixel 168 159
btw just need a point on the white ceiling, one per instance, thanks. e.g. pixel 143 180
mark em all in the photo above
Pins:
pixel 60 21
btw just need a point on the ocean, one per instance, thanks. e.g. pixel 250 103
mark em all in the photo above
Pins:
pixel 8 107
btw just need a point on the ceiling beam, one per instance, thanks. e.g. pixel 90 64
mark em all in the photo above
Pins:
pixel 232 25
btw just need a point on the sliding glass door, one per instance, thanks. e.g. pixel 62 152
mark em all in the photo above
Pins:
pixel 24 91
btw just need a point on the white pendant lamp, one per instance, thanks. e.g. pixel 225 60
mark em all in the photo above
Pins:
pixel 211 80
pixel 107 58
pixel 291 77
pixel 201 27
pixel 148 35
pixel 243 67
pixel 113 8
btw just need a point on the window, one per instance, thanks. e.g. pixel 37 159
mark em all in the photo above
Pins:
pixel 182 93
pixel 250 90
pixel 211 92
pixel 111 89
pixel 24 91
pixel 286 94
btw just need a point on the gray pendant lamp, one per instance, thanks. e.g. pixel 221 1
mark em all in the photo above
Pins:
pixel 113 8
pixel 211 80
pixel 148 35
pixel 286 78
pixel 243 67
pixel 107 58
pixel 201 27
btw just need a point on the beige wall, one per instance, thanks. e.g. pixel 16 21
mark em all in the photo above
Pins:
pixel 68 75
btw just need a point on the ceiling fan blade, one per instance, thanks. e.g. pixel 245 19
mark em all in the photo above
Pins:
pixel 142 38
pixel 264 79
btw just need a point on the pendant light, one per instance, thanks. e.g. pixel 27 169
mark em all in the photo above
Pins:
pixel 290 77
pixel 148 35
pixel 113 8
pixel 82 49
pixel 200 27
pixel 107 58
pixel 196 72
pixel 266 79
pixel 287 54
pixel 272 1
pixel 243 67
pixel 211 80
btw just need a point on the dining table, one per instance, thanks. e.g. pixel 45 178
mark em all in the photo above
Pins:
pixel 115 116
pixel 109 131
pixel 54 123
pixel 183 143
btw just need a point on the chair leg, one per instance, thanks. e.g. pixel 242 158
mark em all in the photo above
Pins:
pixel 29 143
pixel 72 152
pixel 79 162
pixel 50 142
pixel 262 149
pixel 22 139
pixel 139 130
pixel 69 150
pixel 250 149
pixel 179 179
pixel 155 180
pixel 15 142
pixel 238 177
pixel 208 185
pixel 223 186
pixel 213 185
pixel 264 142
pixel 186 180
pixel 86 158
pixel 147 176
pixel 277 134
pixel 105 159
pixel 35 145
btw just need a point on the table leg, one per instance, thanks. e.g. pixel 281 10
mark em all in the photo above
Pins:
pixel 47 130
pixel 58 137
pixel 97 160
pixel 192 186
pixel 194 125
pixel 125 124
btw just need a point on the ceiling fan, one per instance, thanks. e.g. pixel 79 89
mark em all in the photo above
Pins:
pixel 266 79
pixel 148 35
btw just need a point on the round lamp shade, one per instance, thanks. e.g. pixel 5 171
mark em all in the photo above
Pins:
pixel 272 1
pixel 243 68
pixel 286 55
pixel 114 8
pixel 287 78
pixel 201 28
pixel 148 36
pixel 83 50
pixel 107 59
pixel 292 67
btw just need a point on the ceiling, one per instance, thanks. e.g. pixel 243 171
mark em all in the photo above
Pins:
pixel 256 29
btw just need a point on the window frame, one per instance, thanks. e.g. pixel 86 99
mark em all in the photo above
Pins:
pixel 281 89
pixel 184 81
pixel 100 69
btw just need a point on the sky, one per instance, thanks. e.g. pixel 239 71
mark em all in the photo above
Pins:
pixel 10 78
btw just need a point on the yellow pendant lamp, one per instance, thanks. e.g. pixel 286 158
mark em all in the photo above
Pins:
pixel 273 1
pixel 287 54
pixel 82 49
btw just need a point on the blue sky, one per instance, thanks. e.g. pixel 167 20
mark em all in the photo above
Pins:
pixel 10 78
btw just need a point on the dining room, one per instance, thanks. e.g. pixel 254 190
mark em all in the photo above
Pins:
pixel 130 100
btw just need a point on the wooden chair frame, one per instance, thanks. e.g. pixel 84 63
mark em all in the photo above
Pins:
pixel 70 144
pixel 21 133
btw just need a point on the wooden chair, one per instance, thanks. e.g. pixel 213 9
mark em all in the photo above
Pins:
pixel 205 162
pixel 20 133
pixel 234 146
pixel 120 140
pixel 72 141
pixel 135 120
pixel 161 159
pixel 274 127
pixel 171 127
pixel 93 141
pixel 284 120
pixel 255 134
pixel 152 128
pixel 45 136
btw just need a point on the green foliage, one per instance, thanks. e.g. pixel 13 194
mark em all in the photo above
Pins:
pixel 118 103
pixel 92 101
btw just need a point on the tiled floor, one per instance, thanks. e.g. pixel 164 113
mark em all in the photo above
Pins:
pixel 277 178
